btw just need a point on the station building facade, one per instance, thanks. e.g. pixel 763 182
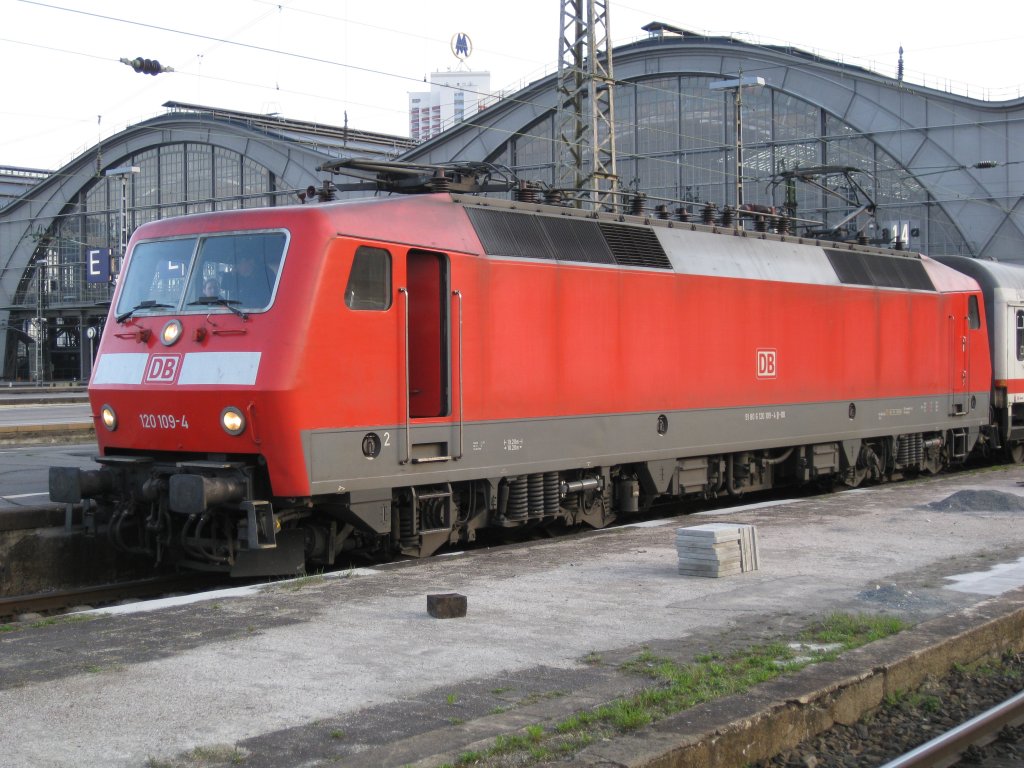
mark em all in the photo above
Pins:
pixel 61 239
pixel 938 172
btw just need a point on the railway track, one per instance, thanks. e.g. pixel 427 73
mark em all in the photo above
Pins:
pixel 57 601
pixel 967 742
pixel 973 715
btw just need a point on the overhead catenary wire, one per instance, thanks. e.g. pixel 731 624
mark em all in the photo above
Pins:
pixel 654 160
pixel 265 49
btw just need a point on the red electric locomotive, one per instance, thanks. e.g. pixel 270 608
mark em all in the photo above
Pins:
pixel 276 386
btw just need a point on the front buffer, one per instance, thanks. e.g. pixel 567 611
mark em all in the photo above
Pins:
pixel 195 514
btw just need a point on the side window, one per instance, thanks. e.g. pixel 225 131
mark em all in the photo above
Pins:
pixel 973 315
pixel 369 282
pixel 1020 334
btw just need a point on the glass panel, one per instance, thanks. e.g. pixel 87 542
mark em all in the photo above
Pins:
pixel 757 175
pixel 227 178
pixel 941 236
pixel 1020 335
pixel 96 196
pixel 244 268
pixel 101 230
pixel 255 180
pixel 756 114
pixel 625 119
pixel 69 248
pixel 660 176
pixel 704 176
pixel 895 184
pixel 172 180
pixel 199 184
pixel 147 187
pixel 156 275
pixel 787 158
pixel 534 146
pixel 245 265
pixel 851 152
pixel 794 119
pixel 703 115
pixel 834 127
pixel 369 282
pixel 973 314
pixel 657 115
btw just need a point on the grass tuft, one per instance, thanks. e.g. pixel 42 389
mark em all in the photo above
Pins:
pixel 680 686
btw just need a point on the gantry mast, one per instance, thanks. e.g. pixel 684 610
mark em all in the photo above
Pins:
pixel 585 117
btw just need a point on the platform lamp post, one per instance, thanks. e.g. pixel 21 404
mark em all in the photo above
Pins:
pixel 124 172
pixel 736 85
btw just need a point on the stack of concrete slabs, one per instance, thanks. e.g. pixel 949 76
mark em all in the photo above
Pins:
pixel 717 549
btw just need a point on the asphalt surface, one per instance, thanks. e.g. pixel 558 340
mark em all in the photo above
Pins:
pixel 349 669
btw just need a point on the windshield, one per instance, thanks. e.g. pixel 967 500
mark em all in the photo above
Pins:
pixel 203 273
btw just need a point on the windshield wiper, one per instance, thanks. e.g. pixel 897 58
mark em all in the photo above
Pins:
pixel 147 304
pixel 229 303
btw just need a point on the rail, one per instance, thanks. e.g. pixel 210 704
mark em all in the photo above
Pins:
pixel 943 750
pixel 51 602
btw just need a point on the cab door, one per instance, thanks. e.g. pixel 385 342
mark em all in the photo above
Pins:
pixel 959 357
pixel 429 357
pixel 431 435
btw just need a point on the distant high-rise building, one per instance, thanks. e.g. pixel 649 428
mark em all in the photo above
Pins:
pixel 452 98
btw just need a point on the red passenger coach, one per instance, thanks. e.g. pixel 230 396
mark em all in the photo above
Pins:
pixel 277 386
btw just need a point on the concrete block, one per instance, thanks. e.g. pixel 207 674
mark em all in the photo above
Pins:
pixel 710 531
pixel 710 571
pixel 709 557
pixel 450 605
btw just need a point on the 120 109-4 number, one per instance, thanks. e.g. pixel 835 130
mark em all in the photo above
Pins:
pixel 162 421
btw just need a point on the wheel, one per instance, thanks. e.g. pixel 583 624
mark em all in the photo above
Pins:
pixel 1015 452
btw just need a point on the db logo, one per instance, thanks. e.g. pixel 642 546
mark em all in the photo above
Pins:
pixel 767 365
pixel 162 369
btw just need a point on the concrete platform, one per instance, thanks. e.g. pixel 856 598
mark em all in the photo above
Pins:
pixel 45 415
pixel 350 670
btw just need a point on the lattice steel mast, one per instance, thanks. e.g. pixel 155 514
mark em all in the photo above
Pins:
pixel 585 118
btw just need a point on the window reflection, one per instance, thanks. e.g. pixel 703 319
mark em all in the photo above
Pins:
pixel 202 273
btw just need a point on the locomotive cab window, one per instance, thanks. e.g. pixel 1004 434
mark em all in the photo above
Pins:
pixel 241 269
pixel 203 273
pixel 369 282
pixel 973 315
pixel 155 279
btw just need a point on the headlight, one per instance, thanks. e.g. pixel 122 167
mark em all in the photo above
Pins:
pixel 232 420
pixel 108 417
pixel 171 332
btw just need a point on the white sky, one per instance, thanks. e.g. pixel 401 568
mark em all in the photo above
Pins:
pixel 324 58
